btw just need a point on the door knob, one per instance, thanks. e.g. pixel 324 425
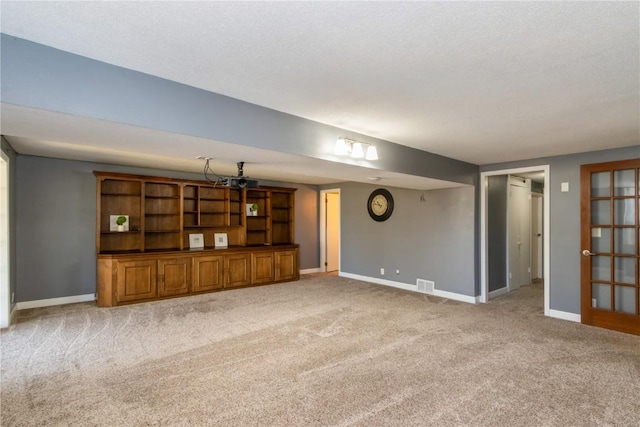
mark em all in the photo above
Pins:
pixel 587 252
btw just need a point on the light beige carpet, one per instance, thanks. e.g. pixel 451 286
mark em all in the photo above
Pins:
pixel 321 351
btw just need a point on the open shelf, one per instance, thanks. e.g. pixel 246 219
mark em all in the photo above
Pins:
pixel 168 210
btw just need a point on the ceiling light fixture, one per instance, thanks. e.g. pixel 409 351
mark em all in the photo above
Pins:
pixel 357 152
pixel 355 149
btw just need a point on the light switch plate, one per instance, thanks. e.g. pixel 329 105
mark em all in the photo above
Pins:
pixel 564 187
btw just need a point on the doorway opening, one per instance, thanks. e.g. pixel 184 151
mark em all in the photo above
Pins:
pixel 330 230
pixel 514 260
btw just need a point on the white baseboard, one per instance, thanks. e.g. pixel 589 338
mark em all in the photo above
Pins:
pixel 311 270
pixel 55 301
pixel 12 315
pixel 378 281
pixel 408 287
pixel 498 292
pixel 456 297
pixel 564 315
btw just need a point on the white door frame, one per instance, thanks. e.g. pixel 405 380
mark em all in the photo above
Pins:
pixel 537 198
pixel 323 230
pixel 5 301
pixel 484 268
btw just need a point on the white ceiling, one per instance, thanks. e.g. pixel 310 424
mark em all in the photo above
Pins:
pixel 482 82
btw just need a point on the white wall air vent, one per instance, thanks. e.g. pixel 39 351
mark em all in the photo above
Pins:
pixel 425 286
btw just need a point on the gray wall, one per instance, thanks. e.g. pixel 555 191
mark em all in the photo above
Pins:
pixel 37 76
pixel 497 231
pixel 55 231
pixel 431 240
pixel 8 150
pixel 564 239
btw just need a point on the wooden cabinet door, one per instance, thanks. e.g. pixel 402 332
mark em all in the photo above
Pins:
pixel 208 273
pixel 262 267
pixel 286 265
pixel 174 276
pixel 237 270
pixel 136 280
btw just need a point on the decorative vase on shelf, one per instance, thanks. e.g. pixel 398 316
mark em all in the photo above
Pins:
pixel 252 209
pixel 120 223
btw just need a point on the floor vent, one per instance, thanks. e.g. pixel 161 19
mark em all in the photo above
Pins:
pixel 425 286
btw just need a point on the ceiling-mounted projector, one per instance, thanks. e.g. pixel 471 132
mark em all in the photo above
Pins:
pixel 241 181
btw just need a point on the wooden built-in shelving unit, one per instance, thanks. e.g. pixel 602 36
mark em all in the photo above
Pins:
pixel 152 259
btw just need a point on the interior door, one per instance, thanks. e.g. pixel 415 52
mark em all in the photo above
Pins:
pixel 610 231
pixel 333 231
pixel 518 233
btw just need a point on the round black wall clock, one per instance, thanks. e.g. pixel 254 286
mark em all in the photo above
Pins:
pixel 380 204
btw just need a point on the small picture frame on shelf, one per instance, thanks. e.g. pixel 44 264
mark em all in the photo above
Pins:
pixel 252 209
pixel 115 225
pixel 196 241
pixel 220 240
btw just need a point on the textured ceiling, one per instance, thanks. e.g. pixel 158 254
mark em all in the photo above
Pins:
pixel 476 81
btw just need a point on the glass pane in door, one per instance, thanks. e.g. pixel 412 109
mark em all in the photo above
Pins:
pixel 601 239
pixel 600 212
pixel 600 184
pixel 625 270
pixel 625 298
pixel 601 296
pixel 624 241
pixel 601 268
pixel 624 211
pixel 624 182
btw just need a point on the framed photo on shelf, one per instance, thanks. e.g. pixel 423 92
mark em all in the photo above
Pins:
pixel 220 240
pixel 196 241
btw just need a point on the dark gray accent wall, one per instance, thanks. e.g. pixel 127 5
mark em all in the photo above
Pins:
pixel 537 187
pixel 11 154
pixel 37 76
pixel 431 239
pixel 55 230
pixel 564 239
pixel 497 231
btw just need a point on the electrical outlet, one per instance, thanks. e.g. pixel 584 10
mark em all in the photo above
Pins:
pixel 382 271
pixel 594 303
pixel 13 297
pixel 397 271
